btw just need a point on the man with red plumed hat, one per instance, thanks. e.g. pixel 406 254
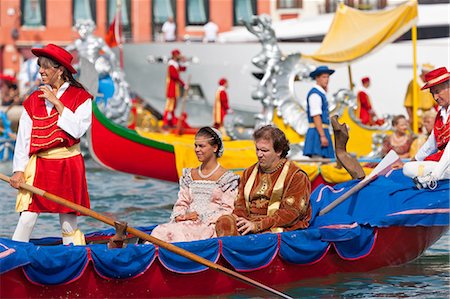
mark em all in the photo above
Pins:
pixel 221 106
pixel 433 158
pixel 47 154
pixel 173 84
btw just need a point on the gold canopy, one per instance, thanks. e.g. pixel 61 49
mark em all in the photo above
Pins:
pixel 355 33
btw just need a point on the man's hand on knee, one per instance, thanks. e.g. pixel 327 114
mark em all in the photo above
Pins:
pixel 245 226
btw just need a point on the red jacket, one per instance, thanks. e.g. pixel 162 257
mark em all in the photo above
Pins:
pixel 173 80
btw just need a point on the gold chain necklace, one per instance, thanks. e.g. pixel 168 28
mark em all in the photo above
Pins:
pixel 276 167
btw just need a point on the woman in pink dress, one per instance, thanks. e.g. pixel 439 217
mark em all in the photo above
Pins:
pixel 400 141
pixel 206 193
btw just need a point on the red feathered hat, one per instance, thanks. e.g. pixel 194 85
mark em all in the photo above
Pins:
pixel 175 52
pixel 436 77
pixel 8 78
pixel 57 54
pixel 223 81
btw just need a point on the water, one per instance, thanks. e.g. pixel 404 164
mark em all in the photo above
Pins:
pixel 143 202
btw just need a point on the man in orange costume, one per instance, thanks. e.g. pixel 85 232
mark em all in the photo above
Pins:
pixel 221 106
pixel 365 111
pixel 173 84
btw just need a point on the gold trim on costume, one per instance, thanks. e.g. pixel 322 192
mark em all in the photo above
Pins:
pixel 277 191
pixel 46 127
pixel 53 132
pixel 441 77
pixel 24 197
pixel 45 117
pixel 47 143
pixel 249 185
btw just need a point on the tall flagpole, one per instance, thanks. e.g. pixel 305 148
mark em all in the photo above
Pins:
pixel 415 98
pixel 117 31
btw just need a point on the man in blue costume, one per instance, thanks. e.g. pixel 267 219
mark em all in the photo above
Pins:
pixel 318 140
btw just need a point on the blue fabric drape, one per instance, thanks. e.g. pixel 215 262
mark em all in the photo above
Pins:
pixel 53 265
pixel 250 252
pixel 122 263
pixel 208 249
pixel 351 228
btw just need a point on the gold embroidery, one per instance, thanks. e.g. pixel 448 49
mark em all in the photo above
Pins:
pixel 302 204
pixel 45 117
pixel 47 143
pixel 53 132
pixel 263 185
pixel 290 200
pixel 46 127
pixel 261 203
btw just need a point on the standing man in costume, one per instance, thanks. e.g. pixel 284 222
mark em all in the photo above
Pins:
pixel 47 153
pixel 318 141
pixel 173 83
pixel 273 193
pixel 425 99
pixel 221 106
pixel 365 111
pixel 433 158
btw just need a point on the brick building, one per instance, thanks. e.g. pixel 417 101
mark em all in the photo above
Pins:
pixel 27 23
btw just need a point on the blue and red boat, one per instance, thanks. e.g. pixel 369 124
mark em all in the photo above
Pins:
pixel 387 223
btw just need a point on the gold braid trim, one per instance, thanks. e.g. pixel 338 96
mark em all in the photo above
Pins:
pixel 45 117
pixel 47 143
pixel 46 127
pixel 53 132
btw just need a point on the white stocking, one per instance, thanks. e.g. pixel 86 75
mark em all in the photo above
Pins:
pixel 25 226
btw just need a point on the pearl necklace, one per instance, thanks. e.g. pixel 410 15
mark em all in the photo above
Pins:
pixel 205 176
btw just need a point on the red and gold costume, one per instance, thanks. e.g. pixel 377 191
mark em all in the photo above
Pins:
pixel 220 106
pixel 274 202
pixel 173 84
pixel 442 136
pixel 55 160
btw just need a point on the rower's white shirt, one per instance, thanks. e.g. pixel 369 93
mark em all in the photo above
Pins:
pixel 315 101
pixel 74 123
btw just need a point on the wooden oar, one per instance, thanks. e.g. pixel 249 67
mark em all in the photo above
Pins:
pixel 382 168
pixel 142 235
